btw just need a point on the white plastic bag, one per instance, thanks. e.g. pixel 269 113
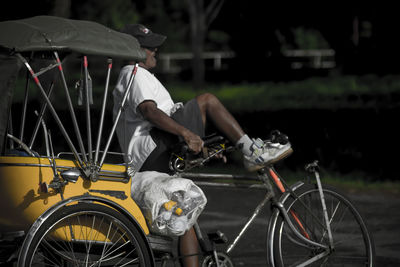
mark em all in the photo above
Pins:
pixel 151 190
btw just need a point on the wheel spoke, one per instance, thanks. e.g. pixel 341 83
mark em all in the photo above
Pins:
pixel 102 237
pixel 105 244
pixel 350 236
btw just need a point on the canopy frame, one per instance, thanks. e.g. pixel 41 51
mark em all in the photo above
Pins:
pixel 90 166
pixel 20 40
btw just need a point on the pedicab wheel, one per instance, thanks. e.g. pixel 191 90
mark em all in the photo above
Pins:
pixel 87 234
pixel 352 244
pixel 223 261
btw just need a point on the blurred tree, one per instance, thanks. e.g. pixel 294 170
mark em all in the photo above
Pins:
pixel 306 38
pixel 112 13
pixel 201 16
pixel 174 18
pixel 61 8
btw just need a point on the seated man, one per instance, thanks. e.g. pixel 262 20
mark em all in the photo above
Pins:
pixel 152 123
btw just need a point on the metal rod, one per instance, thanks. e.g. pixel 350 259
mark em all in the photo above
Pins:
pixel 315 258
pixel 267 197
pixel 52 110
pixel 128 89
pixel 40 117
pixel 46 137
pixel 71 109
pixel 103 109
pixel 200 236
pixel 327 222
pixel 22 145
pixel 24 107
pixel 88 122
pixel 10 129
pixel 285 215
pixel 52 161
pixel 218 176
pixel 56 178
pixel 231 185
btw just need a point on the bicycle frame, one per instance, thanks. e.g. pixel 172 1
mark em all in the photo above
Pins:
pixel 269 176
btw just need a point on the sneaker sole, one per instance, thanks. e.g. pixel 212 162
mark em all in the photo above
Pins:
pixel 281 157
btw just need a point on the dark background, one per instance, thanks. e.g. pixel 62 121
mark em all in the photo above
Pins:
pixel 252 29
pixel 344 140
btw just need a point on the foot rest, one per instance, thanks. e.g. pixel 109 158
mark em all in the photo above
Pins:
pixel 218 237
pixel 160 244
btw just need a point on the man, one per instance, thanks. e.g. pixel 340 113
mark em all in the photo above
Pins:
pixel 152 123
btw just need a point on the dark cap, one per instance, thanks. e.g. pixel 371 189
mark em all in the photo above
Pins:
pixel 144 35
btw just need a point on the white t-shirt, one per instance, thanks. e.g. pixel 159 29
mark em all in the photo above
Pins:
pixel 133 130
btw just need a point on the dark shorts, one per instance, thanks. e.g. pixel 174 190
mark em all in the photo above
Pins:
pixel 190 117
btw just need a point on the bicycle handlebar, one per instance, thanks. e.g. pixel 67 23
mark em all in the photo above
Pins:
pixel 182 147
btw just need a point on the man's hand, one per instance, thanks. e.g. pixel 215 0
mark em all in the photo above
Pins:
pixel 194 142
pixel 161 120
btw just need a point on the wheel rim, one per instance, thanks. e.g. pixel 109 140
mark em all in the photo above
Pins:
pixel 352 245
pixel 87 238
pixel 223 260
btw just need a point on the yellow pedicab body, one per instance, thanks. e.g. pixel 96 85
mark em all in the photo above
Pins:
pixel 23 198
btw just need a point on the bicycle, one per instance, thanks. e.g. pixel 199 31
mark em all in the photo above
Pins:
pixel 310 225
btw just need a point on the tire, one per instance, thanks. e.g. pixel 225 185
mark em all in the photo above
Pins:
pixel 100 236
pixel 352 244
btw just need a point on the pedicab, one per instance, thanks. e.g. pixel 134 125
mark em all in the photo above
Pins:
pixel 75 208
pixel 62 209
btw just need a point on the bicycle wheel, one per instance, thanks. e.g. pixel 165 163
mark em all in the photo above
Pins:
pixel 352 244
pixel 223 261
pixel 87 234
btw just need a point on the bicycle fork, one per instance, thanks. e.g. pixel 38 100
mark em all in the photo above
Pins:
pixel 297 224
pixel 313 168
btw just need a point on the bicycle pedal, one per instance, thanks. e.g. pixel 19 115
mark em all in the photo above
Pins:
pixel 218 237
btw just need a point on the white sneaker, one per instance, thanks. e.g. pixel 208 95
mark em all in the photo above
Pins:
pixel 266 153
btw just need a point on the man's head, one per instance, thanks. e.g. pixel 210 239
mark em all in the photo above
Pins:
pixel 148 40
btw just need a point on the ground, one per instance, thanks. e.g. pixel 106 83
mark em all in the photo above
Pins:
pixel 228 209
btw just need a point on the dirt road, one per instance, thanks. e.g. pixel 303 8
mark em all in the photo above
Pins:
pixel 228 209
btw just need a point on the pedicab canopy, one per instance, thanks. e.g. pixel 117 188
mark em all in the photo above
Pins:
pixel 48 33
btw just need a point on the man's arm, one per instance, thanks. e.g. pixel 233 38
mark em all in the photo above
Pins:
pixel 162 121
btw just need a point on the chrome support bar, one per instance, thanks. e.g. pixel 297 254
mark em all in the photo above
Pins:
pixel 40 117
pixel 10 129
pixel 128 89
pixel 24 107
pixel 103 108
pixel 46 137
pixel 71 110
pixel 52 110
pixel 87 105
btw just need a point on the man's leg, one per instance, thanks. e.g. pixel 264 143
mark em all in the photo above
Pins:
pixel 211 107
pixel 188 245
pixel 257 154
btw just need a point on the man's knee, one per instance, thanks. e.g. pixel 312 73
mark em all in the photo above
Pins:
pixel 207 100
